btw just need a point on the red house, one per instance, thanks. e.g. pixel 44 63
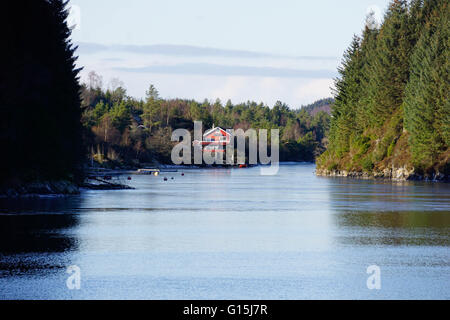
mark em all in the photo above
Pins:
pixel 215 140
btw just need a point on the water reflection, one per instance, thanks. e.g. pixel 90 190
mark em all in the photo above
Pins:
pixel 354 194
pixel 49 204
pixel 33 231
pixel 230 234
pixel 377 213
pixel 412 228
pixel 37 233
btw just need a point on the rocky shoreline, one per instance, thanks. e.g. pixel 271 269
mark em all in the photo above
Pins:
pixel 106 186
pixel 55 188
pixel 393 174
pixel 41 188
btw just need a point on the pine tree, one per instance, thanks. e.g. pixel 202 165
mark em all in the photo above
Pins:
pixel 426 104
pixel 368 58
pixel 40 94
pixel 395 78
pixel 347 95
pixel 390 65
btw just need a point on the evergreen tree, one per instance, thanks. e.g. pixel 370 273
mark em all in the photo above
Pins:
pixel 392 104
pixel 426 104
pixel 40 94
pixel 367 65
pixel 347 94
pixel 390 65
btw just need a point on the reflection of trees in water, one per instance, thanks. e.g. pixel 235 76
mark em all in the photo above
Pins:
pixel 33 229
pixel 394 228
pixel 377 195
pixel 374 212
pixel 36 233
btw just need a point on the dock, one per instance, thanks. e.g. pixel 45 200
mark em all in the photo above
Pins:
pixel 155 171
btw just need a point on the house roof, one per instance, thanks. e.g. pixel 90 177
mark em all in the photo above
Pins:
pixel 223 132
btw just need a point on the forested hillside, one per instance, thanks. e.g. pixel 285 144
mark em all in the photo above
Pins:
pixel 391 115
pixel 319 105
pixel 123 131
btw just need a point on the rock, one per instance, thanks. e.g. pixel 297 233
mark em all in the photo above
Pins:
pixel 397 174
pixel 37 188
pixel 402 173
pixel 106 186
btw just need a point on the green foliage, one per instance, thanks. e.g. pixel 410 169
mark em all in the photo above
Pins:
pixel 394 82
pixel 139 131
pixel 390 66
pixel 308 145
pixel 332 167
pixel 99 111
pixel 152 93
pixel 390 149
pixel 367 164
pixel 120 116
pixel 426 104
pixel 391 133
pixel 359 146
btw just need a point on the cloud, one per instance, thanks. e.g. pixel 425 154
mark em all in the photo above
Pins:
pixel 233 88
pixel 113 59
pixel 198 73
pixel 229 70
pixel 185 50
pixel 313 89
pixel 295 92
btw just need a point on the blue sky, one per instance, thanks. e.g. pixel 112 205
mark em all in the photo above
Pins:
pixel 240 50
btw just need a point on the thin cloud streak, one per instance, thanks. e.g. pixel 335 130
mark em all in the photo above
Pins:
pixel 227 70
pixel 185 50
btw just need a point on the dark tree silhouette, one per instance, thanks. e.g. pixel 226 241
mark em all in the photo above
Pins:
pixel 40 132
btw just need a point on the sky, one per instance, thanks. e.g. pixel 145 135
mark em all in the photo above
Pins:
pixel 259 50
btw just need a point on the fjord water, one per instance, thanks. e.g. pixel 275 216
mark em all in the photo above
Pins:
pixel 231 234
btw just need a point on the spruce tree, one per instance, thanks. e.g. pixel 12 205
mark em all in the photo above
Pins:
pixel 347 94
pixel 368 58
pixel 40 94
pixel 426 104
pixel 390 65
pixel 394 87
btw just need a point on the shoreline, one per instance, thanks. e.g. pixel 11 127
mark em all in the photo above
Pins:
pixel 41 189
pixel 394 174
pixel 59 188
pixel 63 188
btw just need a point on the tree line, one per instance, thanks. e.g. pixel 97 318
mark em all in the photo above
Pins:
pixel 392 106
pixel 122 130
pixel 52 127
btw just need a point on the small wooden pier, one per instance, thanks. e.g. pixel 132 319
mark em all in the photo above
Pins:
pixel 155 172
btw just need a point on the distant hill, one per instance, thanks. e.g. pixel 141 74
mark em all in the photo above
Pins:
pixel 319 105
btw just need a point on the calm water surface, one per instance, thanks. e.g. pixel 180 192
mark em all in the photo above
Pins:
pixel 231 234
